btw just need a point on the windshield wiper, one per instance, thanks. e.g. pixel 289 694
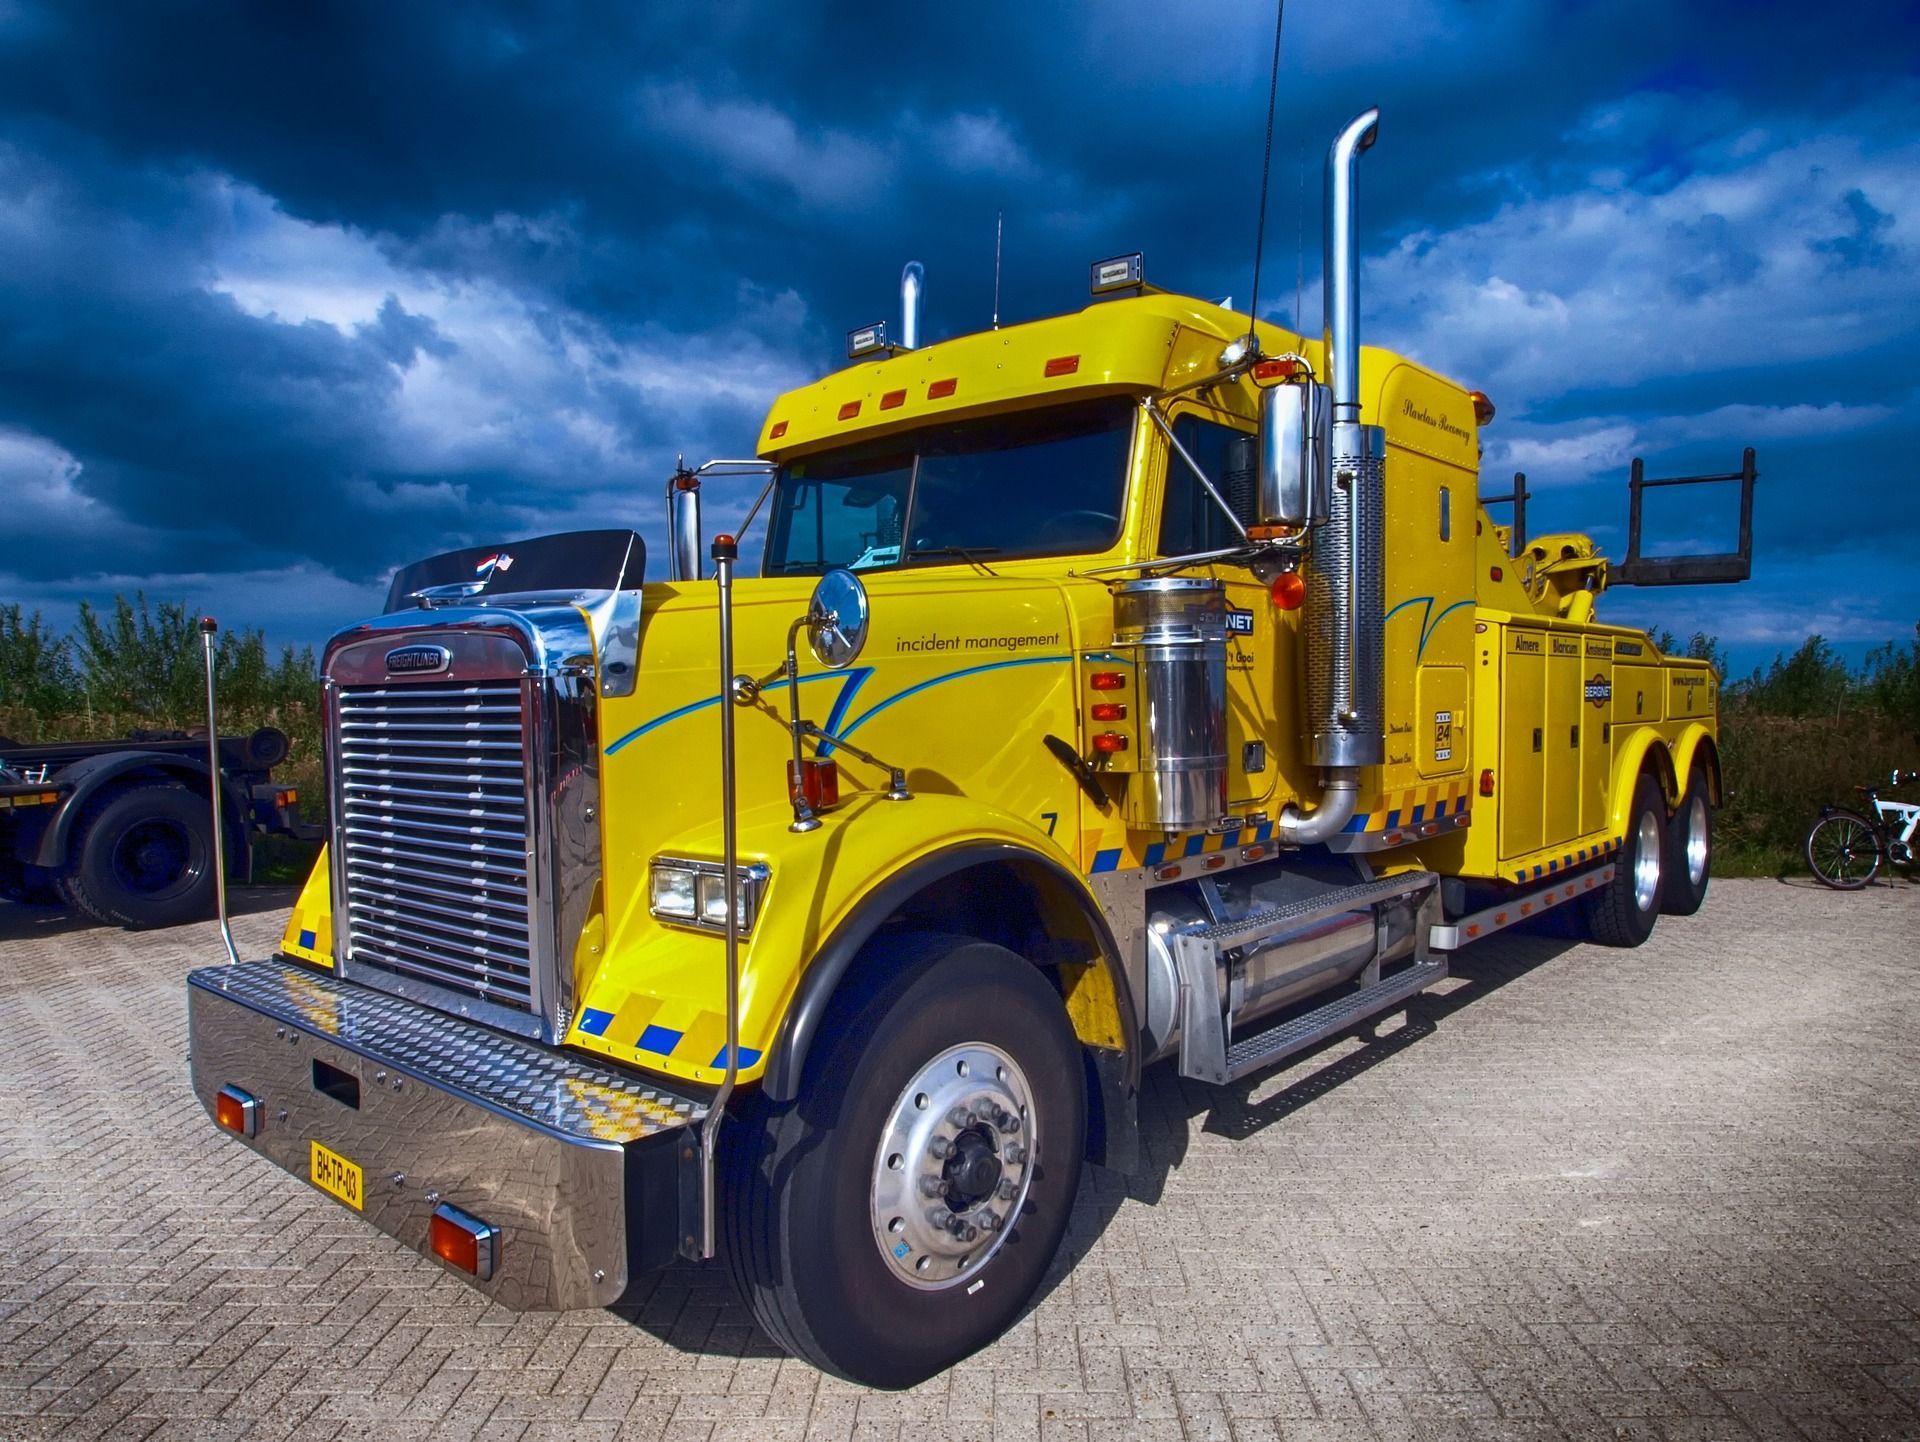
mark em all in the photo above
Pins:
pixel 970 555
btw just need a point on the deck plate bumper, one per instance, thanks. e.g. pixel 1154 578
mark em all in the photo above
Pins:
pixel 577 1163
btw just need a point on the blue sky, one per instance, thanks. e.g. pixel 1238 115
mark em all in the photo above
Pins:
pixel 292 294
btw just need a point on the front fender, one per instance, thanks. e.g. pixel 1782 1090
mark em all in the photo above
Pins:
pixel 658 999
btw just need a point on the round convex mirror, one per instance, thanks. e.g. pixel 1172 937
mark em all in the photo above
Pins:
pixel 837 618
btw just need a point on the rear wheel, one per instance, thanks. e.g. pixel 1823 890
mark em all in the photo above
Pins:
pixel 1843 851
pixel 1689 858
pixel 898 1216
pixel 1623 912
pixel 142 857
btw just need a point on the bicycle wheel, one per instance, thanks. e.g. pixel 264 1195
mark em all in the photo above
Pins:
pixel 1842 851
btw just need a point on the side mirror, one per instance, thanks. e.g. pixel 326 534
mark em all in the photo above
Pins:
pixel 1295 482
pixel 683 525
pixel 837 618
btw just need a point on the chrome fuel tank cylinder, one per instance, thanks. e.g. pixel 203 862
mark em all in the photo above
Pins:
pixel 1174 630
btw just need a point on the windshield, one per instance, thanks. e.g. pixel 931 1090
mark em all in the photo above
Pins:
pixel 1043 483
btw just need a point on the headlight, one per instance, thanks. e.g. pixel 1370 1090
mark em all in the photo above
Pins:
pixel 695 892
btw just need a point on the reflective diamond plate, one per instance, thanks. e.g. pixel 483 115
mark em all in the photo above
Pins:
pixel 553 1089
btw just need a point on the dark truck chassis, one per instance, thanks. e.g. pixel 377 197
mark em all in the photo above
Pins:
pixel 123 830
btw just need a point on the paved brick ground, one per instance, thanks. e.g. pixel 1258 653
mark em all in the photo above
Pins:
pixel 1661 1193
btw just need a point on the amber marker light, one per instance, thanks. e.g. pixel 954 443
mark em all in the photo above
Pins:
pixel 1482 407
pixel 941 389
pixel 1063 365
pixel 237 1111
pixel 1288 591
pixel 1486 782
pixel 463 1241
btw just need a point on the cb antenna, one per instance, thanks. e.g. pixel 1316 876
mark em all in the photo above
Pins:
pixel 1266 165
pixel 999 230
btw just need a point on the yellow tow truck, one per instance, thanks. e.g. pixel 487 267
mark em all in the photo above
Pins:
pixel 1138 684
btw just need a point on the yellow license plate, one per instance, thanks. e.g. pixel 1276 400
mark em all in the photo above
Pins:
pixel 338 1177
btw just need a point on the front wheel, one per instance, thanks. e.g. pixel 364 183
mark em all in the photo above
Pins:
pixel 898 1216
pixel 1842 851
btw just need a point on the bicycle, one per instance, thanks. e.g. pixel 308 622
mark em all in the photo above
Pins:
pixel 1844 848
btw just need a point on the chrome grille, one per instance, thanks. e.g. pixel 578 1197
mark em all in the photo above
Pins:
pixel 435 834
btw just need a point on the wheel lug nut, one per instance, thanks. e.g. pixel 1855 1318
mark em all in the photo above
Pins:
pixel 1007 1122
pixel 959 1117
pixel 931 1186
pixel 962 1231
pixel 941 1218
pixel 984 1109
pixel 940 1148
pixel 989 1222
pixel 1006 1189
pixel 1014 1153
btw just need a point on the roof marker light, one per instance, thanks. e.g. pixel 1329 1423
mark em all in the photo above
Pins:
pixel 893 400
pixel 778 429
pixel 1063 365
pixel 1482 407
pixel 1120 273
pixel 849 410
pixel 940 390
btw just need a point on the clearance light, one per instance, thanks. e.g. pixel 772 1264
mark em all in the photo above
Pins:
pixel 1288 591
pixel 779 429
pixel 462 1240
pixel 940 390
pixel 290 796
pixel 1063 365
pixel 819 781
pixel 866 340
pixel 893 400
pixel 1273 371
pixel 1108 681
pixel 1109 711
pixel 1109 742
pixel 1482 407
pixel 1486 782
pixel 1121 273
pixel 1497 574
pixel 849 410
pixel 237 1111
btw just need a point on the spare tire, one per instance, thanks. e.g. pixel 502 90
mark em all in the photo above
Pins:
pixel 143 856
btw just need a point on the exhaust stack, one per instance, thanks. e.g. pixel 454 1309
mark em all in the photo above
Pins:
pixel 1346 591
pixel 912 278
pixel 1346 585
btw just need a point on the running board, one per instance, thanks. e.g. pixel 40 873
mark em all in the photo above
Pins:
pixel 1206 1054
pixel 1452 935
pixel 1250 1054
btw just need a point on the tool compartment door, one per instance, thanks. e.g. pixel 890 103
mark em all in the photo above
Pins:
pixel 1523 682
pixel 1596 743
pixel 1560 809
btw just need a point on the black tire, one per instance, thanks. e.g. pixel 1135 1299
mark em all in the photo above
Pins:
pixel 1623 912
pixel 143 857
pixel 1833 849
pixel 1689 858
pixel 804 1179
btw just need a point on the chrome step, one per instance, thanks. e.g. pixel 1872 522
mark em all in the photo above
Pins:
pixel 1207 1054
pixel 1251 1053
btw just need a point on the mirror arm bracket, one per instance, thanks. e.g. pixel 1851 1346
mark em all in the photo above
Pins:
pixel 1199 475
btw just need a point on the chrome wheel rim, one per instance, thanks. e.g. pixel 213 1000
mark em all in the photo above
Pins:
pixel 1697 841
pixel 1646 862
pixel 953 1166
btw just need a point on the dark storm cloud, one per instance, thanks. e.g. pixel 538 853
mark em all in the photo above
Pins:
pixel 334 285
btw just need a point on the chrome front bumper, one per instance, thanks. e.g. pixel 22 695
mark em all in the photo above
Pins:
pixel 580 1166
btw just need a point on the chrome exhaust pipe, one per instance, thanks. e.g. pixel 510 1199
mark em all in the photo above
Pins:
pixel 1346 589
pixel 912 280
pixel 1346 594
